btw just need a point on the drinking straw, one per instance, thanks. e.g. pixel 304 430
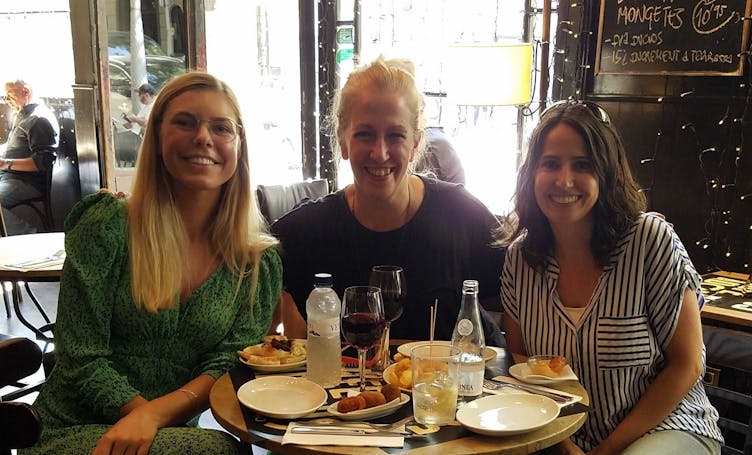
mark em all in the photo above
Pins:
pixel 434 310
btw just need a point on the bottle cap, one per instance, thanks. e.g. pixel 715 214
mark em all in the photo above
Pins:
pixel 322 279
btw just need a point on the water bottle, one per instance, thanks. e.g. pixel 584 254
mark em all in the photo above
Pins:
pixel 468 337
pixel 323 351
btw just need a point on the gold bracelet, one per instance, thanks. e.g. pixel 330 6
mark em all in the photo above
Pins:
pixel 191 395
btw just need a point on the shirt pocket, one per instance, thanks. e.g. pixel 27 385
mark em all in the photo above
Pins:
pixel 623 342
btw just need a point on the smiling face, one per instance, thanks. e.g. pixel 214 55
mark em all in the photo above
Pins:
pixel 566 185
pixel 380 142
pixel 199 157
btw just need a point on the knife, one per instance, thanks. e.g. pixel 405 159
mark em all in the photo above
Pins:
pixel 536 390
pixel 345 431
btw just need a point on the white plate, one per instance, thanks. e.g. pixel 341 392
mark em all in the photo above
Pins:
pixel 499 415
pixel 370 413
pixel 282 397
pixel 273 368
pixel 386 374
pixel 522 370
pixel 404 349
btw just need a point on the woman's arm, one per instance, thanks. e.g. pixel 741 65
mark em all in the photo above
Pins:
pixel 513 335
pixel 141 420
pixel 683 368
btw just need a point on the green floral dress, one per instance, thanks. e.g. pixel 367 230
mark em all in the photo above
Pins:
pixel 108 352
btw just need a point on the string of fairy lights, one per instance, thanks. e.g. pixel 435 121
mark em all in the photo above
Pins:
pixel 727 224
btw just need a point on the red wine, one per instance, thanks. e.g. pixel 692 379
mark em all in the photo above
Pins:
pixel 394 303
pixel 362 330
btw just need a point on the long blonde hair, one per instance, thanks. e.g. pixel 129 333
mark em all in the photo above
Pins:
pixel 156 231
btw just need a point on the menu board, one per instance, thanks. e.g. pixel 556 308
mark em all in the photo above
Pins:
pixel 682 37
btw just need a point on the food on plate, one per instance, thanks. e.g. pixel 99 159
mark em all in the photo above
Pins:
pixel 401 375
pixel 275 350
pixel 373 398
pixel 550 366
pixel 398 356
pixel 390 392
pixel 350 404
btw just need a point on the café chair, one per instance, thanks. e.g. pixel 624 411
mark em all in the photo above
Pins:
pixel 733 407
pixel 276 200
pixel 20 426
pixel 42 204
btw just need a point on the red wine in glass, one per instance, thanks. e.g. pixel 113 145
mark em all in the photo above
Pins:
pixel 362 321
pixel 362 330
pixel 391 280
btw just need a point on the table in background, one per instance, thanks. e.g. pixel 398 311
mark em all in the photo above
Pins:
pixel 227 411
pixel 19 248
pixel 729 287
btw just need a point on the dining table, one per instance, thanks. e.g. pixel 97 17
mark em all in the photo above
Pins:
pixel 31 258
pixel 252 428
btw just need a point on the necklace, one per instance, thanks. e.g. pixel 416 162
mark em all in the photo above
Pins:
pixel 405 213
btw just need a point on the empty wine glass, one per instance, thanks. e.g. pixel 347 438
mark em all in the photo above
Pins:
pixel 362 321
pixel 391 280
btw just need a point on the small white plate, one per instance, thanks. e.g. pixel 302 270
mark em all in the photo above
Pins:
pixel 521 371
pixel 370 413
pixel 386 374
pixel 282 397
pixel 404 349
pixel 501 415
pixel 264 368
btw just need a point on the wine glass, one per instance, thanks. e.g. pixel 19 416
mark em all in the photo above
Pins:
pixel 362 322
pixel 391 280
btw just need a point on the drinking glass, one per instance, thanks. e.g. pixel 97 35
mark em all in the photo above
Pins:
pixel 391 280
pixel 435 370
pixel 362 321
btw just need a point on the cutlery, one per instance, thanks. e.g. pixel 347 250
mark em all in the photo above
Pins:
pixel 494 385
pixel 327 422
pixel 346 431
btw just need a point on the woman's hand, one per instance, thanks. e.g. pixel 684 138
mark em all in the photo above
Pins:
pixel 131 435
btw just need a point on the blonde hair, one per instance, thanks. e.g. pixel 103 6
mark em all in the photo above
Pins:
pixel 156 231
pixel 396 75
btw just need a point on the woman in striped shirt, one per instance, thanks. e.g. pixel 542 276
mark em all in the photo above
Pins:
pixel 590 277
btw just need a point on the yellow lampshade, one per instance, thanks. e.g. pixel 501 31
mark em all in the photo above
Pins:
pixel 490 75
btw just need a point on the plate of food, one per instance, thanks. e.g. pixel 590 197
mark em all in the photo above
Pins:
pixel 282 397
pixel 543 369
pixel 502 415
pixel 275 355
pixel 369 404
pixel 404 349
pixel 400 374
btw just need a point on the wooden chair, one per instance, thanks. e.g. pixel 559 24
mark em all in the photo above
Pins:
pixel 733 407
pixel 276 200
pixel 20 426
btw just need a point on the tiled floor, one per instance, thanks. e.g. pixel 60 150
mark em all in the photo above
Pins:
pixel 47 294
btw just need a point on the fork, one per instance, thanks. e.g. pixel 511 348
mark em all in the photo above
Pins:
pixel 325 422
pixel 493 385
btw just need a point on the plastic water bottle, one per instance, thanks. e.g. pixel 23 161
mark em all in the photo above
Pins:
pixel 468 337
pixel 324 351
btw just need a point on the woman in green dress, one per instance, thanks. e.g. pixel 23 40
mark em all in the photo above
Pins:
pixel 161 289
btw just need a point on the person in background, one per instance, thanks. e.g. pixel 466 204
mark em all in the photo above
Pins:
pixel 590 277
pixel 161 289
pixel 29 153
pixel 440 160
pixel 436 231
pixel 146 97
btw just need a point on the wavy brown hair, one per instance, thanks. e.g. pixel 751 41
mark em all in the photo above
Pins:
pixel 620 200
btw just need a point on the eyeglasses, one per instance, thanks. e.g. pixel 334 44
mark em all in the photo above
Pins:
pixel 222 129
pixel 597 111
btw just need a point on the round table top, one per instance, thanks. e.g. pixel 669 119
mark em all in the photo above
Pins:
pixel 227 411
pixel 15 249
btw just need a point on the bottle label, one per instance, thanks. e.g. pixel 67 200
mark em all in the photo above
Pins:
pixel 323 327
pixel 465 327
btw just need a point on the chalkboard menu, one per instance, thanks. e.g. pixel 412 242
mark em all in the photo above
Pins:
pixel 685 37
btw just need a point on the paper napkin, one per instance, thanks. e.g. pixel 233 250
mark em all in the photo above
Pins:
pixel 340 440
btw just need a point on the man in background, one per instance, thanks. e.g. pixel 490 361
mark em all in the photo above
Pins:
pixel 440 160
pixel 146 96
pixel 29 153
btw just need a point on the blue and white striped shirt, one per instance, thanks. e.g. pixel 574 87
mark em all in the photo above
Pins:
pixel 617 346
